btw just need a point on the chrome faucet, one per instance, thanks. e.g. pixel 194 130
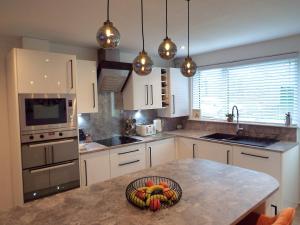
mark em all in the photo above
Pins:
pixel 238 128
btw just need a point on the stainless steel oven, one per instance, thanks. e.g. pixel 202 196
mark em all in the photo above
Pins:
pixel 47 112
pixel 50 166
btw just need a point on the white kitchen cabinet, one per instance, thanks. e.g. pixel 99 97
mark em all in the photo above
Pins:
pixel 282 166
pixel 185 148
pixel 143 92
pixel 94 167
pixel 177 94
pixel 87 94
pixel 45 72
pixel 126 160
pixel 214 151
pixel 160 152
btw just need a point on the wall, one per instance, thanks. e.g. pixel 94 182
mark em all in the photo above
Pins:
pixel 266 48
pixel 6 43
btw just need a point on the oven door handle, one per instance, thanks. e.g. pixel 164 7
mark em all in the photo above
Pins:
pixel 51 143
pixel 52 168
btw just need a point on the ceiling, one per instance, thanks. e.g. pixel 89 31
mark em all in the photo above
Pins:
pixel 215 24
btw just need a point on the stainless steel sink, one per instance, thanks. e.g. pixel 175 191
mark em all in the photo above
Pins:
pixel 245 140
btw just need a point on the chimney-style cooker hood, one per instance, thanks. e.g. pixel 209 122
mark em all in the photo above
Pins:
pixel 112 74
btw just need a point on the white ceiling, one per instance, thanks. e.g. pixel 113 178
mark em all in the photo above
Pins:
pixel 215 24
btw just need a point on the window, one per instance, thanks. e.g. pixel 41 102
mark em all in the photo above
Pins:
pixel 263 91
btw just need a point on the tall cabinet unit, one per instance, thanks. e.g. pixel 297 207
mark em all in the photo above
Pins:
pixel 177 94
pixel 45 72
pixel 143 92
pixel 87 94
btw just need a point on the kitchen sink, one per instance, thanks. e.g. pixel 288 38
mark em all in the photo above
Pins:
pixel 245 140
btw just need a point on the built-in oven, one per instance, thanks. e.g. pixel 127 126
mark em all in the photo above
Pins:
pixel 47 112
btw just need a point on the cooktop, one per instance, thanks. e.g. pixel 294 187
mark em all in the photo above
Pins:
pixel 117 140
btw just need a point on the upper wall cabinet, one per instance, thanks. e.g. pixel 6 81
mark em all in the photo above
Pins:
pixel 143 92
pixel 45 72
pixel 175 94
pixel 87 94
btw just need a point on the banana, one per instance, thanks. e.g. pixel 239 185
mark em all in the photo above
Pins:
pixel 142 188
pixel 138 202
pixel 160 197
pixel 154 188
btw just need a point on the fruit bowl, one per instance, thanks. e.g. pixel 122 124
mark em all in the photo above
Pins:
pixel 153 192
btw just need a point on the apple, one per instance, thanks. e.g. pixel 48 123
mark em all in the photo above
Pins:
pixel 164 184
pixel 141 195
pixel 149 183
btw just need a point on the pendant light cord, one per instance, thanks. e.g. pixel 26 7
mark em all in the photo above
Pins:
pixel 188 28
pixel 166 18
pixel 142 14
pixel 107 10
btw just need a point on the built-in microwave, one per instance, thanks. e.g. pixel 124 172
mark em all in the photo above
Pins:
pixel 47 111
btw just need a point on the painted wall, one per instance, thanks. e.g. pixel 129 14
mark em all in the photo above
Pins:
pixel 6 43
pixel 266 48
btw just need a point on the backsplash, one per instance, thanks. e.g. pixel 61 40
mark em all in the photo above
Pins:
pixel 280 133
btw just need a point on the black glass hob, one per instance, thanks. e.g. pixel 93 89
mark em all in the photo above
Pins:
pixel 117 140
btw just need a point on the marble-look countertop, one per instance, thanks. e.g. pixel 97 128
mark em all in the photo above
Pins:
pixel 86 148
pixel 213 194
pixel 281 146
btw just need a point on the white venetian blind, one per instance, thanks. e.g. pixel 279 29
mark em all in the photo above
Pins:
pixel 263 91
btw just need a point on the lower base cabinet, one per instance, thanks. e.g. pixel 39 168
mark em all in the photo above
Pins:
pixel 282 166
pixel 185 148
pixel 160 152
pixel 94 167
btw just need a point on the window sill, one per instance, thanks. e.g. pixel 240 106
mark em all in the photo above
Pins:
pixel 245 123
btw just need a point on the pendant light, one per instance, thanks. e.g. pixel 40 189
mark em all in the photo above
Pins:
pixel 167 49
pixel 188 67
pixel 142 64
pixel 108 36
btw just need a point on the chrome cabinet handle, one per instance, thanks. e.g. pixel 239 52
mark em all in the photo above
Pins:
pixel 85 171
pixel 173 97
pixel 123 153
pixel 72 79
pixel 124 164
pixel 147 100
pixel 194 155
pixel 150 152
pixel 228 151
pixel 257 156
pixel 94 101
pixel 51 143
pixel 52 168
pixel 275 209
pixel 151 86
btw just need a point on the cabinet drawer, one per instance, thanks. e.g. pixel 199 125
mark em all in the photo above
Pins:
pixel 259 160
pixel 65 173
pixel 127 160
pixel 34 180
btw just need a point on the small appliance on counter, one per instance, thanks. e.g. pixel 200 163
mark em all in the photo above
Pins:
pixel 145 129
pixel 157 125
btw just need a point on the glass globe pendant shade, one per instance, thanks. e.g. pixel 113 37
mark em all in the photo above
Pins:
pixel 167 49
pixel 188 67
pixel 108 36
pixel 142 64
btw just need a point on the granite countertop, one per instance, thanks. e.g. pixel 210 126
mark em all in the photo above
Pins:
pixel 85 148
pixel 213 194
pixel 281 146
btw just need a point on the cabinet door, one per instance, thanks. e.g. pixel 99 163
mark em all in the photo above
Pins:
pixel 185 148
pixel 262 161
pixel 95 168
pixel 179 93
pixel 127 159
pixel 215 152
pixel 154 92
pixel 44 72
pixel 141 98
pixel 87 94
pixel 160 152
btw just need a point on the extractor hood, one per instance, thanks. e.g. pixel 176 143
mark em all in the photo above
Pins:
pixel 112 74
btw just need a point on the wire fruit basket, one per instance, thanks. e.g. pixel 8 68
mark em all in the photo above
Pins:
pixel 153 192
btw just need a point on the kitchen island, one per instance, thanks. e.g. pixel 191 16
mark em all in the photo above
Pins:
pixel 213 194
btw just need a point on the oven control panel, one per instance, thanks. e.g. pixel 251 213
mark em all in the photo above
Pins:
pixel 50 135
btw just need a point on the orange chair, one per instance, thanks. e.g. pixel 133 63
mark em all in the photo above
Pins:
pixel 286 217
